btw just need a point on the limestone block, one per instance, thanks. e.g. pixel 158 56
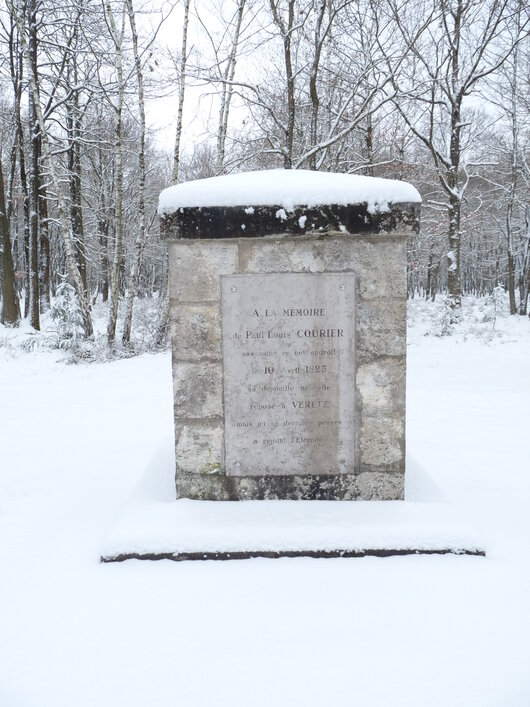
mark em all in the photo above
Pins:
pixel 365 486
pixel 382 442
pixel 199 450
pixel 381 385
pixel 202 487
pixel 195 267
pixel 280 255
pixel 198 390
pixel 381 328
pixel 195 331
pixel 379 261
pixel 373 486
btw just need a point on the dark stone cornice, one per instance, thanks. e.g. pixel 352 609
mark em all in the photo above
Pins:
pixel 222 222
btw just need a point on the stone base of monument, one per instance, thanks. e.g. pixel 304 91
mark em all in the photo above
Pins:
pixel 231 530
pixel 152 529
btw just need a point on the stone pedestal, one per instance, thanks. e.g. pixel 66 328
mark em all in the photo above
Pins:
pixel 288 328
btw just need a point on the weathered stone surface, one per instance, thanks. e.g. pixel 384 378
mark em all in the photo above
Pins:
pixel 382 442
pixel 379 263
pixel 222 222
pixel 282 255
pixel 348 487
pixel 381 328
pixel 198 449
pixel 194 269
pixel 381 385
pixel 289 373
pixel 218 391
pixel 196 332
pixel 373 486
pixel 198 390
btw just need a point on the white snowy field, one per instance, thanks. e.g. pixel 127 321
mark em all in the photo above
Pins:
pixel 76 441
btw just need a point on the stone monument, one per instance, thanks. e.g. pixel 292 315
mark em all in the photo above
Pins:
pixel 288 326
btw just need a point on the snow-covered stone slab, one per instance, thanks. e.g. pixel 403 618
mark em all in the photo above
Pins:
pixel 287 188
pixel 200 530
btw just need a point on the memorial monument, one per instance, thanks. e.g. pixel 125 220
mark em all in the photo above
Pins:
pixel 288 326
pixel 288 299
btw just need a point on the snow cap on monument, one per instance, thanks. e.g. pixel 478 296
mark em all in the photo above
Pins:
pixel 288 189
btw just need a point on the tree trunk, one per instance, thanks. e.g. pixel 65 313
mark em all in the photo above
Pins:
pixel 429 273
pixel 25 202
pixel 454 284
pixel 454 275
pixel 525 266
pixel 286 34
pixel 117 39
pixel 182 88
pixel 103 228
pixel 511 283
pixel 164 314
pixel 513 180
pixel 34 312
pixel 140 238
pixel 369 169
pixel 103 238
pixel 44 283
pixel 228 90
pixel 26 257
pixel 73 123
pixel 313 91
pixel 10 313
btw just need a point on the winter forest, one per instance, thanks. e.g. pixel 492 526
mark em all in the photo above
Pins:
pixel 103 105
pixel 435 92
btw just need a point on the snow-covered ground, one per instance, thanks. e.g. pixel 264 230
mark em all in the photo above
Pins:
pixel 76 441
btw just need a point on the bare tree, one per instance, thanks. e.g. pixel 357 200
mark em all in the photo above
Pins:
pixel 506 91
pixel 164 315
pixel 52 172
pixel 459 46
pixel 225 45
pixel 117 36
pixel 181 90
pixel 141 234
pixel 322 79
pixel 34 172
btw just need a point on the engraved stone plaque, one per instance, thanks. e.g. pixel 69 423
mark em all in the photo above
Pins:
pixel 289 373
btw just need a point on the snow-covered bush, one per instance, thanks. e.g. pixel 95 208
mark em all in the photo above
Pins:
pixel 495 305
pixel 31 343
pixel 445 319
pixel 66 313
